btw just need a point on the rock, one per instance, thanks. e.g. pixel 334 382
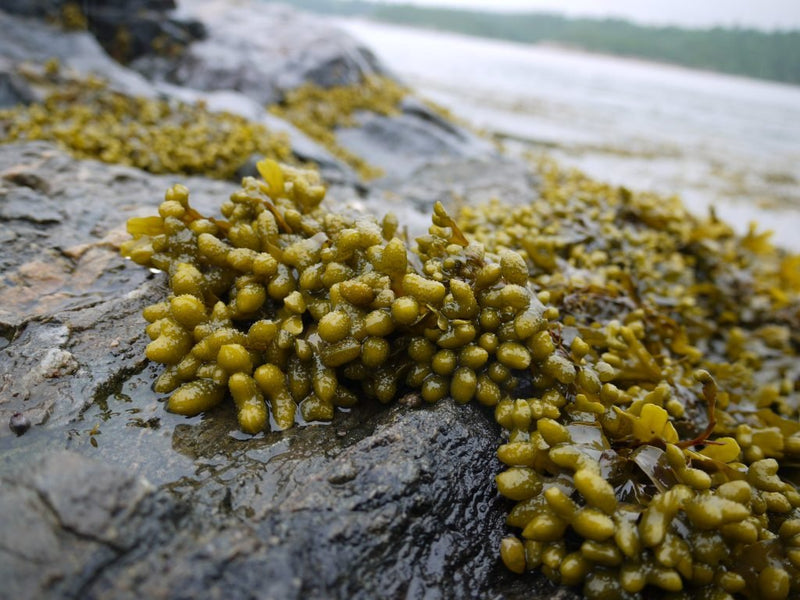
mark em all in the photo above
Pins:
pixel 240 70
pixel 13 88
pixel 25 40
pixel 29 40
pixel 301 48
pixel 63 517
pixel 107 494
pixel 372 515
pixel 261 49
pixel 19 423
pixel 401 144
pixel 454 182
pixel 381 503
pixel 66 294
pixel 466 180
pixel 126 29
pixel 400 508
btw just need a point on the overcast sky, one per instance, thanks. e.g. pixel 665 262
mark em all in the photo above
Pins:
pixel 762 14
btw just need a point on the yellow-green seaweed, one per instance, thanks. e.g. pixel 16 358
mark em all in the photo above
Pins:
pixel 92 121
pixel 319 111
pixel 648 400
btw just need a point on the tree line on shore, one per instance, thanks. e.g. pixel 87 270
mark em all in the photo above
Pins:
pixel 771 55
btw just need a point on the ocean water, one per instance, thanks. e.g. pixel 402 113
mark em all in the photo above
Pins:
pixel 712 139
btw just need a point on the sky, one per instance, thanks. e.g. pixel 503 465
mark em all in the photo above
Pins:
pixel 760 14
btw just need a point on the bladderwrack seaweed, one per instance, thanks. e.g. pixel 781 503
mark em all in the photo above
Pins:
pixel 649 406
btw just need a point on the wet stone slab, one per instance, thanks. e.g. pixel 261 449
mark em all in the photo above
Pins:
pixel 382 503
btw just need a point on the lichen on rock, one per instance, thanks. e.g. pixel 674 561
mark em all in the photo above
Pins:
pixel 647 401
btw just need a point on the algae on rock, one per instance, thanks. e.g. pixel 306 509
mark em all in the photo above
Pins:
pixel 159 136
pixel 318 112
pixel 642 362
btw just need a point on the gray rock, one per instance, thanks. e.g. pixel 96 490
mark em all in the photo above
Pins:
pixel 373 515
pixel 401 506
pixel 63 518
pixel 262 49
pixel 241 70
pixel 466 180
pixel 454 182
pixel 13 88
pixel 69 304
pixel 379 504
pixel 401 144
pixel 382 503
pixel 127 29
pixel 28 39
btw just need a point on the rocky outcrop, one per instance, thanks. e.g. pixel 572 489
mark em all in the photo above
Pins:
pixel 69 304
pixel 399 506
pixel 263 50
pixel 108 495
pixel 377 505
pixel 240 70
pixel 29 40
pixel 126 29
pixel 66 516
pixel 418 136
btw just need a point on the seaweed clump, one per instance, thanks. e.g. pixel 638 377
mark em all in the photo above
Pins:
pixel 641 362
pixel 72 17
pixel 319 111
pixel 289 303
pixel 92 121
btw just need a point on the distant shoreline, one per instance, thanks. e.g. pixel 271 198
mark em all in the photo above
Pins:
pixel 577 50
pixel 768 56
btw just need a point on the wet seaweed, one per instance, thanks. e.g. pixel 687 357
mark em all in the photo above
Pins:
pixel 641 361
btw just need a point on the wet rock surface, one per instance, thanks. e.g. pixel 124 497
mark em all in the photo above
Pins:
pixel 69 304
pixel 398 506
pixel 109 495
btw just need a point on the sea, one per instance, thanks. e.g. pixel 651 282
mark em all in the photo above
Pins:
pixel 731 143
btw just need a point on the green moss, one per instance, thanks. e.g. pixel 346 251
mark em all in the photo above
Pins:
pixel 648 402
